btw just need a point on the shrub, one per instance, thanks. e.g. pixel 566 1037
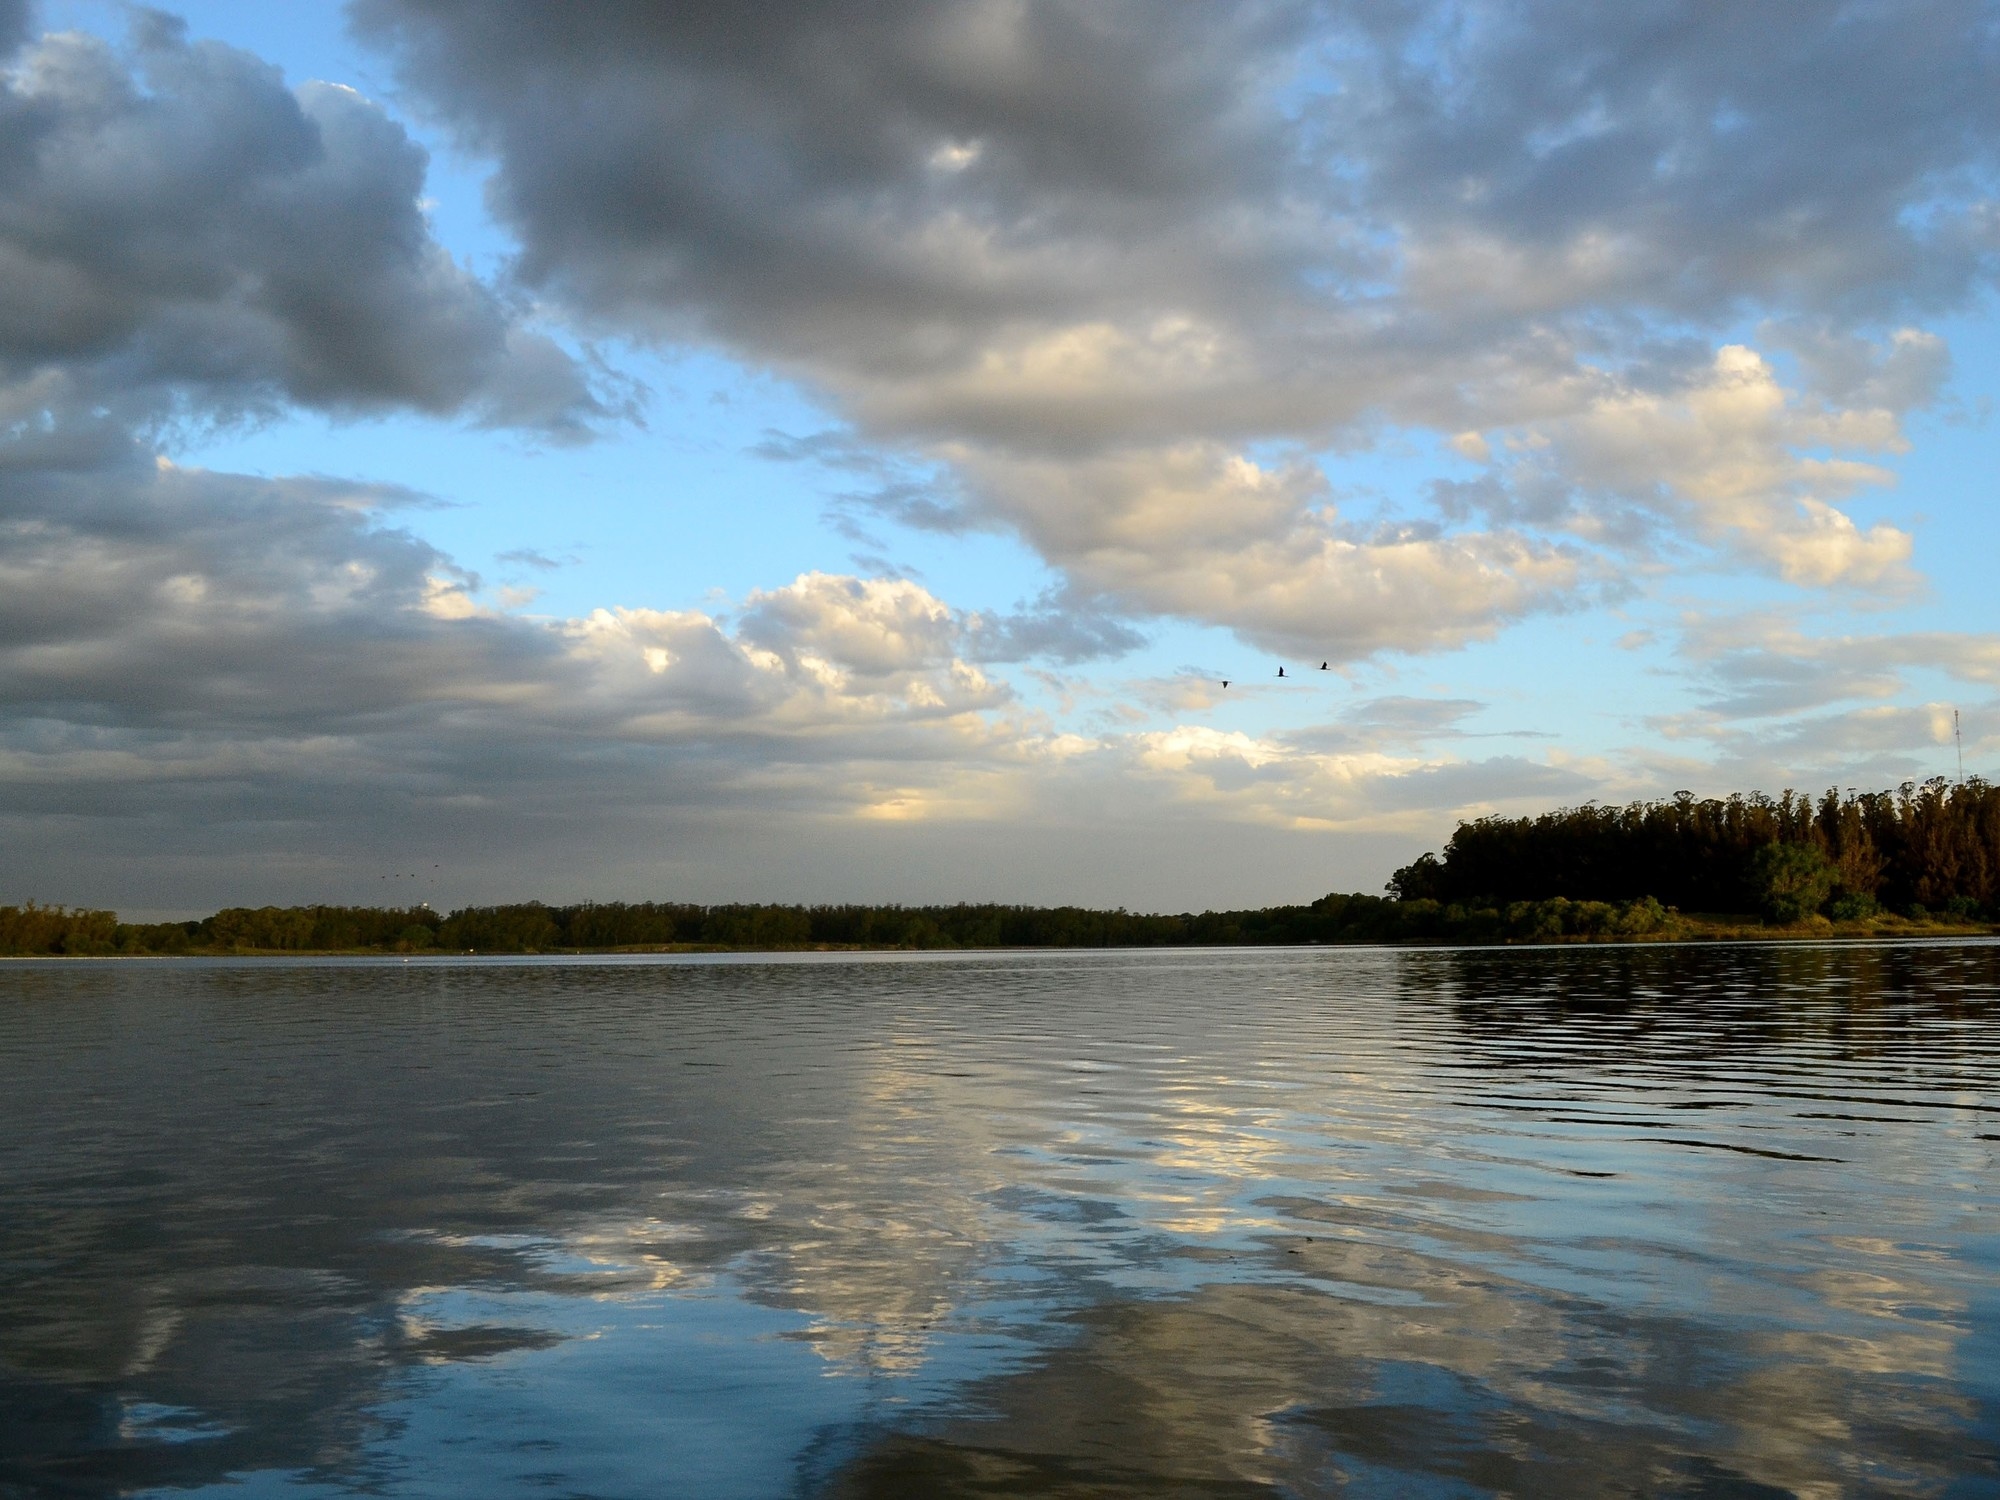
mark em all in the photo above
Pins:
pixel 1790 882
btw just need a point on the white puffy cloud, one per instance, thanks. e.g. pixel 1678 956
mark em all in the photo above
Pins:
pixel 871 627
pixel 1726 455
pixel 1201 532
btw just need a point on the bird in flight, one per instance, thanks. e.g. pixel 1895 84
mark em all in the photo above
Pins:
pixel 1322 666
pixel 1225 682
pixel 1281 671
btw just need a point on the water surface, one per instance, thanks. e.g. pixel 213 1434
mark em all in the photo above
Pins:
pixel 1636 1221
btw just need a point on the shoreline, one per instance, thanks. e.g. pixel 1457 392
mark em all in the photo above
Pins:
pixel 1696 932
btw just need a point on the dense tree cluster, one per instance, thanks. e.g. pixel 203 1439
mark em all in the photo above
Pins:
pixel 1919 850
pixel 56 929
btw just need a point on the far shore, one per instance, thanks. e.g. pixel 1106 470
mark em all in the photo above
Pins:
pixel 1693 929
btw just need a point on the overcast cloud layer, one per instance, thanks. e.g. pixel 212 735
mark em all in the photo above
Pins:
pixel 1658 285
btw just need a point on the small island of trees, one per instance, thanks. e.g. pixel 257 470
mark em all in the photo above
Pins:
pixel 1920 859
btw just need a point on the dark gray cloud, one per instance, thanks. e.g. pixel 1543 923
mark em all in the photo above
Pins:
pixel 1683 159
pixel 1056 627
pixel 182 232
pixel 771 172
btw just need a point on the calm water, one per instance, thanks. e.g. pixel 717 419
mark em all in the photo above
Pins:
pixel 1648 1221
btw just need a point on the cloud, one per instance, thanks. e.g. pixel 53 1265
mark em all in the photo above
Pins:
pixel 175 641
pixel 1392 720
pixel 1772 704
pixel 1057 627
pixel 1723 454
pixel 1129 282
pixel 184 601
pixel 1198 531
pixel 1766 666
pixel 183 235
pixel 1351 789
pixel 1123 272
pixel 270 683
pixel 1869 748
pixel 852 626
pixel 1686 160
pixel 528 557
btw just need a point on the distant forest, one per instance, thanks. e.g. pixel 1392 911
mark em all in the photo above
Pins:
pixel 1872 861
pixel 532 927
pixel 1919 851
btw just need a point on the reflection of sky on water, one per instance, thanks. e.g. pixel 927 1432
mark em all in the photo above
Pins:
pixel 1421 1222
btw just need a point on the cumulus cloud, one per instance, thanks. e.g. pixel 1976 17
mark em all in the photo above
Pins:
pixel 1725 454
pixel 1125 280
pixel 184 651
pixel 180 600
pixel 183 234
pixel 275 669
pixel 1060 246
pixel 1198 531
pixel 852 626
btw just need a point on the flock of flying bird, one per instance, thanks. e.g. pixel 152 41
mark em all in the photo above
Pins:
pixel 1281 672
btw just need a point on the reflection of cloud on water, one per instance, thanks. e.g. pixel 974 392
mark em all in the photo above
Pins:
pixel 1253 1387
pixel 943 1158
pixel 944 1161
pixel 896 1188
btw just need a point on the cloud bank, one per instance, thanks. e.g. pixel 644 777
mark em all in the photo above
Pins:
pixel 1128 282
pixel 1105 260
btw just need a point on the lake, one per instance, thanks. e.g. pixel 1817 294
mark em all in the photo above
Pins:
pixel 1701 1221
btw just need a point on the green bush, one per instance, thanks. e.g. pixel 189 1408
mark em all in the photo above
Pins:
pixel 1791 882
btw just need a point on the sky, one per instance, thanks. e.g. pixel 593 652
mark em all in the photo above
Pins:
pixel 476 450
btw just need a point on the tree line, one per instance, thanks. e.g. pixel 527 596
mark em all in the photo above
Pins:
pixel 533 927
pixel 1919 851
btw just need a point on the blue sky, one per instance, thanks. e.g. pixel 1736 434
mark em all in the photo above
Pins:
pixel 758 460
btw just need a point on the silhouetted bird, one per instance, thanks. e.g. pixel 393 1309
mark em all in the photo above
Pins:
pixel 1322 666
pixel 1225 682
pixel 1281 671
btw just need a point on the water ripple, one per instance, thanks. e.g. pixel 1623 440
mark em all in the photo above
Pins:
pixel 1594 1221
